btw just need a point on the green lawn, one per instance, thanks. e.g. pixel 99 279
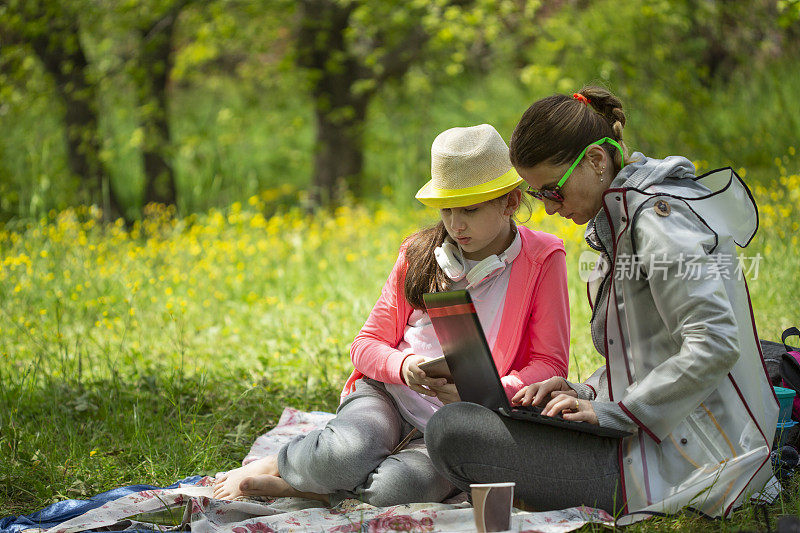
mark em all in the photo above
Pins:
pixel 148 355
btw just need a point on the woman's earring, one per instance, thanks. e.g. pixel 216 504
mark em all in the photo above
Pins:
pixel 602 169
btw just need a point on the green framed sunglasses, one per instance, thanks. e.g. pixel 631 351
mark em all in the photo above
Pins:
pixel 554 193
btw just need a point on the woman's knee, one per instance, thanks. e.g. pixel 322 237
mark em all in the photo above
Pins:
pixel 455 420
pixel 455 430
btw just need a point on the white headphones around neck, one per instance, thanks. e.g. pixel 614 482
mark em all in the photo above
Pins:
pixel 451 261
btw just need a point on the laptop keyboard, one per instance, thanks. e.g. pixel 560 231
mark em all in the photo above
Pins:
pixel 531 410
pixel 534 414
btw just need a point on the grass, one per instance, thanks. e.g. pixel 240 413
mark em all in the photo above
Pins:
pixel 138 356
pixel 151 354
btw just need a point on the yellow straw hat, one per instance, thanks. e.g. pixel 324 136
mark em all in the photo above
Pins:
pixel 468 166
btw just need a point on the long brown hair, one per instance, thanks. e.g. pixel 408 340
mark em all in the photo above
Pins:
pixel 557 128
pixel 423 274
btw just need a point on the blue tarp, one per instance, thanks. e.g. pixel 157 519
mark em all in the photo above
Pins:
pixel 57 513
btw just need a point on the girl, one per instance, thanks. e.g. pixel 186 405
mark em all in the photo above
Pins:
pixel 671 316
pixel 373 450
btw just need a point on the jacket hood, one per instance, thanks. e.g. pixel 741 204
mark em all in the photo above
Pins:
pixel 720 197
pixel 643 171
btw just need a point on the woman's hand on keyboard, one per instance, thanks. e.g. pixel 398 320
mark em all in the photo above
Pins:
pixel 539 393
pixel 570 408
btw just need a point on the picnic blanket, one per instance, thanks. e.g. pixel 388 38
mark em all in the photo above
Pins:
pixel 191 505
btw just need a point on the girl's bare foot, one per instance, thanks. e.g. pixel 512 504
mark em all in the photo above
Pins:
pixel 226 484
pixel 277 487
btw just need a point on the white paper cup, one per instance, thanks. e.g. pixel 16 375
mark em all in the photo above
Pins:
pixel 491 505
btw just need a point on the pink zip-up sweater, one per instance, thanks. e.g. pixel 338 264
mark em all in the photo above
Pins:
pixel 532 343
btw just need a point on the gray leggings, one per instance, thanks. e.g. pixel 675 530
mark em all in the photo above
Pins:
pixel 553 468
pixel 350 457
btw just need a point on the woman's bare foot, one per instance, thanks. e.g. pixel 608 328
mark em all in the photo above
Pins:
pixel 277 487
pixel 226 484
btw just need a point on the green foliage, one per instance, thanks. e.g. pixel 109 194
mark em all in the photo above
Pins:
pixel 706 79
pixel 241 116
pixel 131 48
pixel 34 177
pixel 789 12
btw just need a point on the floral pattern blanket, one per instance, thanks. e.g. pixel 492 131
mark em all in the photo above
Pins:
pixel 192 506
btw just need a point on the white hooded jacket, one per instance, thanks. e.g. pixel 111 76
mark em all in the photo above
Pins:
pixel 674 320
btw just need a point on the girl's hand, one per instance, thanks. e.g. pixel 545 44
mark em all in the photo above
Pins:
pixel 537 393
pixel 415 377
pixel 571 408
pixel 447 393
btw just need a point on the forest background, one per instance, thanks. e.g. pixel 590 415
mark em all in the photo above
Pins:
pixel 187 187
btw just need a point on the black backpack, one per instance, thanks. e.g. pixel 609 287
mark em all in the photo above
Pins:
pixel 783 367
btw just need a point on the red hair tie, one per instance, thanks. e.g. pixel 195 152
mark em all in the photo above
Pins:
pixel 579 97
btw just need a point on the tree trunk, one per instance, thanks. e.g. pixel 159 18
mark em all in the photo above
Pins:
pixel 59 49
pixel 152 77
pixel 339 152
pixel 321 48
pixel 343 85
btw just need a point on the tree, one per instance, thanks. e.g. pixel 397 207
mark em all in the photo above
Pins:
pixel 345 73
pixel 144 32
pixel 151 72
pixel 51 29
pixel 351 49
pixel 54 33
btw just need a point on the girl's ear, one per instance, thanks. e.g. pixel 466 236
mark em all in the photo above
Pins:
pixel 512 202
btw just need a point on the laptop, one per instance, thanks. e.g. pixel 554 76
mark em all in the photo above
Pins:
pixel 472 367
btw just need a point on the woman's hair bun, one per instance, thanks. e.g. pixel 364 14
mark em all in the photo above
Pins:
pixel 607 105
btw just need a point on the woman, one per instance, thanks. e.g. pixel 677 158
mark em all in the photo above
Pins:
pixel 670 314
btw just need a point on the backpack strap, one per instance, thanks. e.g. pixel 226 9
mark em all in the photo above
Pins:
pixel 790 332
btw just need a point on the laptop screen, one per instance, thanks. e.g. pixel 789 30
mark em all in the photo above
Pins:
pixel 465 348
